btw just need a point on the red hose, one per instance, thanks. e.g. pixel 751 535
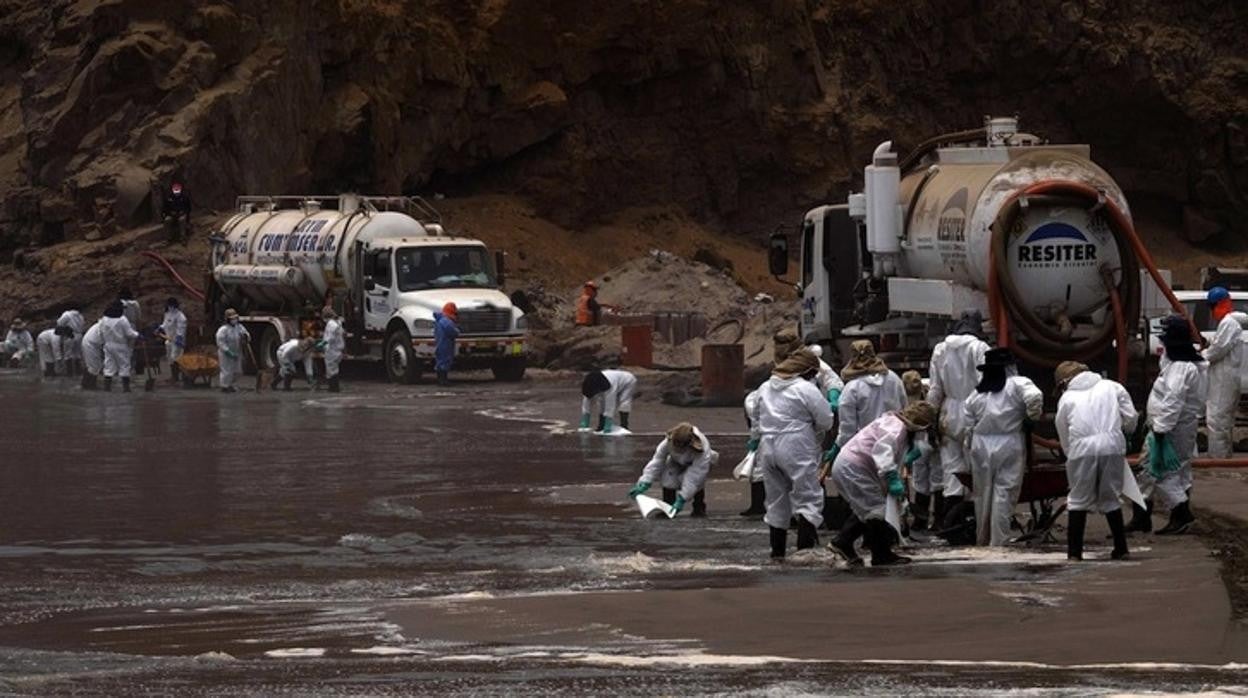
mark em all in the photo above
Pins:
pixel 174 273
pixel 1120 329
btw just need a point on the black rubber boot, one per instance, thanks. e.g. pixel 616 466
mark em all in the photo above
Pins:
pixel 88 382
pixel 442 379
pixel 175 374
pixel 1141 517
pixel 108 384
pixel 758 498
pixel 779 538
pixel 699 505
pixel 807 535
pixel 1119 532
pixel 881 539
pixel 919 511
pixel 938 510
pixel 286 380
pixel 1180 520
pixel 843 543
pixel 334 385
pixel 1076 522
pixel 49 370
pixel 602 422
pixel 277 378
pixel 623 420
pixel 125 384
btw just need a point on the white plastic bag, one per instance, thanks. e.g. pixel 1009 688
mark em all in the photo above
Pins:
pixel 652 508
pixel 1131 488
pixel 745 468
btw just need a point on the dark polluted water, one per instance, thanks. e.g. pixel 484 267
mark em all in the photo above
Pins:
pixel 424 540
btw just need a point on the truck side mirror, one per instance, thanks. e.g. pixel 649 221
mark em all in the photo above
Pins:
pixel 778 254
pixel 500 267
pixel 369 284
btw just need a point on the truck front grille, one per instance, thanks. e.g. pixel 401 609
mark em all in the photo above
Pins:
pixel 484 321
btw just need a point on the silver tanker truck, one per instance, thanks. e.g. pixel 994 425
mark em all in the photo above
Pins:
pixel 385 263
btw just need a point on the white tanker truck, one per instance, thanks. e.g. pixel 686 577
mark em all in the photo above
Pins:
pixel 1035 236
pixel 384 263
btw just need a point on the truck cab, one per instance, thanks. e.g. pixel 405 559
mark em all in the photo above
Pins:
pixel 404 281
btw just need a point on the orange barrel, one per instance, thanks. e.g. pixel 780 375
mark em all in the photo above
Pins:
pixel 638 345
pixel 723 375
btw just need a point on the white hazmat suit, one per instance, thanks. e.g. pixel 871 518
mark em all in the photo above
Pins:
pixel 49 344
pixel 791 418
pixel 1174 407
pixel 93 349
pixel 74 321
pixel 998 452
pixel 130 310
pixel 19 345
pixel 864 399
pixel 1226 356
pixel 953 376
pixel 119 339
pixel 1092 415
pixel 862 465
pixel 230 340
pixel 618 398
pixel 335 338
pixel 751 410
pixel 173 325
pixel 682 469
pixel 289 355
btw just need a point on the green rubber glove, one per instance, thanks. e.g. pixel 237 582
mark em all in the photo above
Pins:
pixel 895 487
pixel 607 425
pixel 751 445
pixel 230 354
pixel 834 398
pixel 913 455
pixel 320 346
pixel 829 456
pixel 639 488
pixel 678 505
pixel 584 421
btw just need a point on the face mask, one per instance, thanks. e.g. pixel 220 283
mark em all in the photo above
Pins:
pixel 233 321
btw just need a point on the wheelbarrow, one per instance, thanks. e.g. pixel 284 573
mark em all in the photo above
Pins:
pixel 196 365
pixel 1044 490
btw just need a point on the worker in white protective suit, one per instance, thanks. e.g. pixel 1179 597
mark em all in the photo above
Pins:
pixel 18 343
pixel 792 416
pixel 785 342
pixel 758 491
pixel 92 355
pixel 1092 415
pixel 952 377
pixel 71 345
pixel 289 354
pixel 867 471
pixel 998 416
pixel 50 345
pixel 1174 408
pixel 681 464
pixel 230 340
pixel 173 332
pixel 1226 357
pixel 119 338
pixel 332 345
pixel 611 392
pixel 871 389
pixel 129 306
pixel 926 478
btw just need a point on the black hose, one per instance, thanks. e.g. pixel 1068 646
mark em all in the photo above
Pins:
pixel 917 153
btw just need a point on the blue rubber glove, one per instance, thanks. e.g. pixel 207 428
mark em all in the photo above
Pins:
pixel 751 445
pixel 584 421
pixel 895 487
pixel 607 426
pixel 829 456
pixel 913 455
pixel 639 488
pixel 834 398
pixel 230 354
pixel 678 505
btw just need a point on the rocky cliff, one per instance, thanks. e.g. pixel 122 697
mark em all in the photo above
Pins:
pixel 741 113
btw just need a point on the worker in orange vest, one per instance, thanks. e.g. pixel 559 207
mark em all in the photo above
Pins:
pixel 588 311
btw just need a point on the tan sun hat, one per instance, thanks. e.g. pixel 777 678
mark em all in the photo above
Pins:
pixel 918 415
pixel 327 313
pixel 784 343
pixel 913 383
pixel 18 324
pixel 683 436
pixel 1066 371
pixel 862 361
pixel 799 363
pixel 231 314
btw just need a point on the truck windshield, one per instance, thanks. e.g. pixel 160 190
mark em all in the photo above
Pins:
pixel 421 268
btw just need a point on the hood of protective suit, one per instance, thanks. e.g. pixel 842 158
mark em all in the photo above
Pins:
pixel 875 379
pixel 1083 381
pixel 781 383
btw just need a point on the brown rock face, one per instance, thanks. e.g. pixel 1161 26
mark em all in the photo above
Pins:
pixel 740 111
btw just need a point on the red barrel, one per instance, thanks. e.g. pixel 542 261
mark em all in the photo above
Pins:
pixel 638 345
pixel 723 375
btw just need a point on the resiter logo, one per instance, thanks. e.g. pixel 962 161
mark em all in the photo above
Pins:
pixel 1056 243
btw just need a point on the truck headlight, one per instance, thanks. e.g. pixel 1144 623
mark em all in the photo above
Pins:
pixel 522 323
pixel 422 327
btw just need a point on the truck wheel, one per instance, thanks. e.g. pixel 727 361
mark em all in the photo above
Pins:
pixel 266 347
pixel 509 370
pixel 401 364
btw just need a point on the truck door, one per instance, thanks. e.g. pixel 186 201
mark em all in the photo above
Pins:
pixel 378 300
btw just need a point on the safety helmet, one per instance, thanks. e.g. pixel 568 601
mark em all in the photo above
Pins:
pixel 1217 294
pixel 451 310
